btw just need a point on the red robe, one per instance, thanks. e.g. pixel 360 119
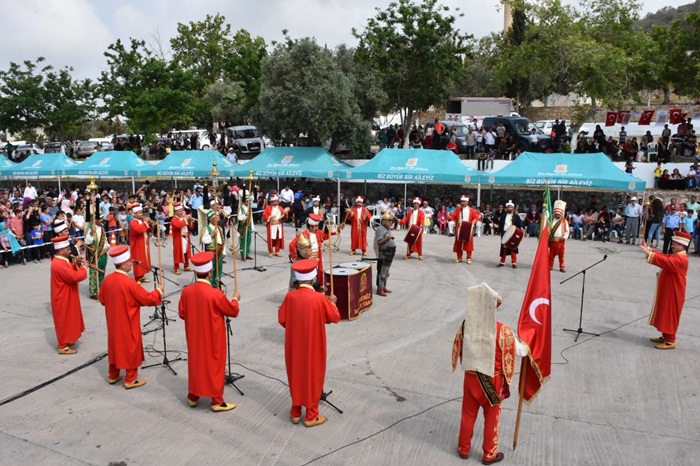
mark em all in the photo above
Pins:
pixel 670 292
pixel 203 308
pixel 420 221
pixel 140 247
pixel 122 298
pixel 278 243
pixel 321 236
pixel 65 300
pixel 181 255
pixel 303 314
pixel 358 228
pixel 474 396
pixel 464 246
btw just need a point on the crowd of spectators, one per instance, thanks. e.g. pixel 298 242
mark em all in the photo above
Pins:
pixel 644 149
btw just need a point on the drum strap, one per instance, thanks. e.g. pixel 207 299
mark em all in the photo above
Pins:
pixel 554 229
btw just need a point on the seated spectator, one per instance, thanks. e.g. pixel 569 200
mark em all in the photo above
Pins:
pixel 602 226
pixel 442 219
pixel 491 157
pixel 590 219
pixel 532 222
pixel 576 223
pixel 676 175
pixel 629 165
pixel 617 224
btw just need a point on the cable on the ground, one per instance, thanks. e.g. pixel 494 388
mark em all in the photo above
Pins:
pixel 55 379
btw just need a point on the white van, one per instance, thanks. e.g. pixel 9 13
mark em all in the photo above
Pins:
pixel 247 138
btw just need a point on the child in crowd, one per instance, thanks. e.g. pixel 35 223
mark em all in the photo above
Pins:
pixel 37 236
pixel 160 217
pixel 123 226
pixel 657 174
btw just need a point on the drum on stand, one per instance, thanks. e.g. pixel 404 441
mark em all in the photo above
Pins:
pixel 464 233
pixel 412 235
pixel 512 237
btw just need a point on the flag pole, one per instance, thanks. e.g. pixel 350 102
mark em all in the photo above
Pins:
pixel 523 373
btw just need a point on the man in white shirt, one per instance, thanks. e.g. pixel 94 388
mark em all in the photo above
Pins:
pixel 30 192
pixel 286 197
pixel 633 212
pixel 429 213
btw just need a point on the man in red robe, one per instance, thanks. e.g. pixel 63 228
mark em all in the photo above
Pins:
pixel 65 299
pixel 203 309
pixel 140 247
pixel 485 380
pixel 464 213
pixel 415 216
pixel 358 216
pixel 180 227
pixel 670 288
pixel 558 234
pixel 122 298
pixel 316 238
pixel 274 216
pixel 303 314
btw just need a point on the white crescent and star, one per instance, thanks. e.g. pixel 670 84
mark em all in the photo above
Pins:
pixel 533 308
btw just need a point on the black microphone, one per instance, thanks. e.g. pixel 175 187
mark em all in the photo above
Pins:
pixel 605 257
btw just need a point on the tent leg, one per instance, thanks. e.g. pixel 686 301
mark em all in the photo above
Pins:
pixel 478 195
pixel 59 184
pixel 405 186
pixel 133 184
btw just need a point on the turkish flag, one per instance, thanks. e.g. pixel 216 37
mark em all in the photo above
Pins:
pixel 535 323
pixel 645 119
pixel 623 117
pixel 676 116
pixel 611 119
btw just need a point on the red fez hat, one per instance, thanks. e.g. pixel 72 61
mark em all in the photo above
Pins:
pixel 60 242
pixel 305 269
pixel 202 262
pixel 120 254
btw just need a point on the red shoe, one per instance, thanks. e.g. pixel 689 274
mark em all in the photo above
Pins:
pixel 386 290
pixel 380 292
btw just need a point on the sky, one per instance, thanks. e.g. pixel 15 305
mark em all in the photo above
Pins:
pixel 76 33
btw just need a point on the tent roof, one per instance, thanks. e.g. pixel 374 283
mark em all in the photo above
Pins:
pixel 40 165
pixel 415 165
pixel 109 163
pixel 6 163
pixel 574 170
pixel 310 162
pixel 191 164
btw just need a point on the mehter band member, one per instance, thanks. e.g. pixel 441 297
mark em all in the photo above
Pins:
pixel 65 299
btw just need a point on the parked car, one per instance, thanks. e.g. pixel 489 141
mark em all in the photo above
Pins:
pixel 521 129
pixel 546 125
pixel 247 138
pixel 57 148
pixel 25 150
pixel 86 148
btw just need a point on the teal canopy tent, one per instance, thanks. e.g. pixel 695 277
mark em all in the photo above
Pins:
pixel 6 164
pixel 109 164
pixel 565 170
pixel 294 162
pixel 415 166
pixel 54 165
pixel 191 164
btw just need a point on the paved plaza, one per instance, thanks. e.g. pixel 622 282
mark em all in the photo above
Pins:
pixel 611 400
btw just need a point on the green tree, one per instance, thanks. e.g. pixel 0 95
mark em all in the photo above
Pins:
pixel 227 100
pixel 416 52
pixel 22 96
pixel 307 99
pixel 683 55
pixel 68 104
pixel 153 95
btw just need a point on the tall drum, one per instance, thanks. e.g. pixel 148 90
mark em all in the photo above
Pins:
pixel 352 285
pixel 512 237
pixel 464 233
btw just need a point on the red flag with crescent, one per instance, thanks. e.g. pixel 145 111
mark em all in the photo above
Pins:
pixel 675 116
pixel 645 119
pixel 535 323
pixel 610 119
pixel 623 117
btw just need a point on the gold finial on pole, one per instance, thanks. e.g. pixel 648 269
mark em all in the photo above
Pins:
pixel 92 186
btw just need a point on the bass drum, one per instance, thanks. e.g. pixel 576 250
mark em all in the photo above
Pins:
pixel 512 238
pixel 412 235
pixel 464 233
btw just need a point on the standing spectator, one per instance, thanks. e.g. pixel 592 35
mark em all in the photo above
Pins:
pixel 429 214
pixel 532 222
pixel 656 219
pixel 29 194
pixel 671 224
pixel 633 213
pixel 471 142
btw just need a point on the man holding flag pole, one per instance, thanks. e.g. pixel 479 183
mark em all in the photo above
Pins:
pixel 535 322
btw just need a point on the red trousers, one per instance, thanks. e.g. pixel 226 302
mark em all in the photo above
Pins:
pixel 130 376
pixel 474 398
pixel 311 412
pixel 215 400
pixel 274 245
pixel 670 338
pixel 513 258
pixel 556 248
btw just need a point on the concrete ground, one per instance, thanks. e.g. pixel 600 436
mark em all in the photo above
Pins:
pixel 611 400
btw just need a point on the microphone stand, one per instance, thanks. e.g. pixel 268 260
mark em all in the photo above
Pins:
pixel 231 377
pixel 579 331
pixel 255 253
